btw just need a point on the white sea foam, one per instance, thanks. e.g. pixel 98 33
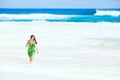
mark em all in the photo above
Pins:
pixel 111 13
pixel 32 16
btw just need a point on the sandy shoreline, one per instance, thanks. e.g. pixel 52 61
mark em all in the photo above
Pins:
pixel 68 51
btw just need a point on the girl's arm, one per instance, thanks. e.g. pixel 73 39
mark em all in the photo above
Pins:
pixel 27 43
pixel 36 48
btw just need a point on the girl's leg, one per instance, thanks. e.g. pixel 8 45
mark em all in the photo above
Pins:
pixel 31 59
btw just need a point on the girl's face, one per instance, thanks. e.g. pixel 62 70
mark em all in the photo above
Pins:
pixel 32 38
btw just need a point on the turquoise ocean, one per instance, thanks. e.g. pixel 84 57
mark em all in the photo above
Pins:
pixel 60 15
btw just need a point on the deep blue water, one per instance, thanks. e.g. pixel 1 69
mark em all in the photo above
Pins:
pixel 50 11
pixel 63 15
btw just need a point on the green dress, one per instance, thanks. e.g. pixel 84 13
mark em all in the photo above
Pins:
pixel 31 49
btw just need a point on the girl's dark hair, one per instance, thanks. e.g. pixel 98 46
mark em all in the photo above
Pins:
pixel 34 38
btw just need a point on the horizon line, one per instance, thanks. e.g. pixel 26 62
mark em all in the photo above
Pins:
pixel 59 8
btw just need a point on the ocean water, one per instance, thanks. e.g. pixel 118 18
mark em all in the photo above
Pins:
pixel 60 15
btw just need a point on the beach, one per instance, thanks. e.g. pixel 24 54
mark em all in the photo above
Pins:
pixel 67 51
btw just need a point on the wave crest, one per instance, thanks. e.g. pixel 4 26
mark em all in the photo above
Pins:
pixel 107 12
pixel 33 17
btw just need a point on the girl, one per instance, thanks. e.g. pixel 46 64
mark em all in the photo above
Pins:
pixel 32 48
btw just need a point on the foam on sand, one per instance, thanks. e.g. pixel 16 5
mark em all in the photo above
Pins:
pixel 68 51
